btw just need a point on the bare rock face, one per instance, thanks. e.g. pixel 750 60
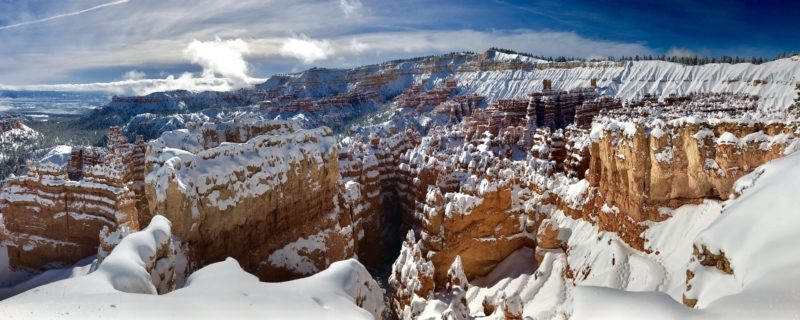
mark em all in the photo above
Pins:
pixel 264 192
pixel 462 200
pixel 54 214
pixel 640 165
pixel 475 227
pixel 371 162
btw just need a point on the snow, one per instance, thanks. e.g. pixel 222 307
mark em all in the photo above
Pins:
pixel 516 264
pixel 703 134
pixel 657 132
pixel 728 138
pixel 636 78
pixel 596 258
pixel 757 233
pixel 665 155
pixel 289 257
pixel 459 203
pixel 576 193
pixel 501 56
pixel 58 155
pixel 81 268
pixel 673 239
pixel 15 138
pixel 198 166
pixel 121 288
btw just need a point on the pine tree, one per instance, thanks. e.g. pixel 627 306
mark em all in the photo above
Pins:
pixel 795 107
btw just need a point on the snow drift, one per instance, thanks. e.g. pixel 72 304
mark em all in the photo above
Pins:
pixel 123 287
pixel 756 235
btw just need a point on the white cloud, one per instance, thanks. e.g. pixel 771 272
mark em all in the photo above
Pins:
pixel 224 58
pixel 358 46
pixel 306 49
pixel 350 7
pixel 224 68
pixel 134 75
pixel 185 81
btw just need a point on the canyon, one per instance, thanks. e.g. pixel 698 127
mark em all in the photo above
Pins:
pixel 465 193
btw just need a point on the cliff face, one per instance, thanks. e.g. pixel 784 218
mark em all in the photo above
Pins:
pixel 482 195
pixel 371 162
pixel 467 205
pixel 54 222
pixel 53 215
pixel 641 165
pixel 264 192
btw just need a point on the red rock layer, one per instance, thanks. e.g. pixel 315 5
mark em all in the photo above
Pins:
pixel 54 214
pixel 267 193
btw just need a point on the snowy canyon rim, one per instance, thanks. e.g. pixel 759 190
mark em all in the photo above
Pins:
pixel 427 184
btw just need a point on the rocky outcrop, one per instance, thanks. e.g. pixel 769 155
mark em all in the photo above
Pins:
pixel 549 237
pixel 264 192
pixel 411 279
pixel 53 215
pixel 471 198
pixel 640 165
pixel 16 140
pixel 462 200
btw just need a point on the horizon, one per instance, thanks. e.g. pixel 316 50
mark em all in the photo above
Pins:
pixel 115 46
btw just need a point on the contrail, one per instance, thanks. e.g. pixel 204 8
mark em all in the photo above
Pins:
pixel 63 15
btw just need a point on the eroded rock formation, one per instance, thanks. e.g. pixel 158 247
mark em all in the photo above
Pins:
pixel 371 162
pixel 54 213
pixel 644 163
pixel 468 193
pixel 267 193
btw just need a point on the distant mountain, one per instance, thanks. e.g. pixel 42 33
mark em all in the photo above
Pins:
pixel 493 74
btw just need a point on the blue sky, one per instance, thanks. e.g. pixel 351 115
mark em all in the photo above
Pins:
pixel 204 44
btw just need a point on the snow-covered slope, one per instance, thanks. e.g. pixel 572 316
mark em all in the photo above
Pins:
pixel 636 78
pixel 16 141
pixel 494 75
pixel 122 288
pixel 16 138
pixel 597 259
pixel 756 235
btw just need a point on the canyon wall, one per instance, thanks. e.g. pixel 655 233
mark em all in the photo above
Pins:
pixel 53 215
pixel 371 161
pixel 640 165
pixel 475 194
pixel 264 192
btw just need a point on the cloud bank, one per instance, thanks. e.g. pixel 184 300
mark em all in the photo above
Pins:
pixel 237 42
pixel 134 75
pixel 306 49
pixel 223 63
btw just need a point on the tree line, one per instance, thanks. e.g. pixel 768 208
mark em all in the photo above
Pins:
pixel 686 60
